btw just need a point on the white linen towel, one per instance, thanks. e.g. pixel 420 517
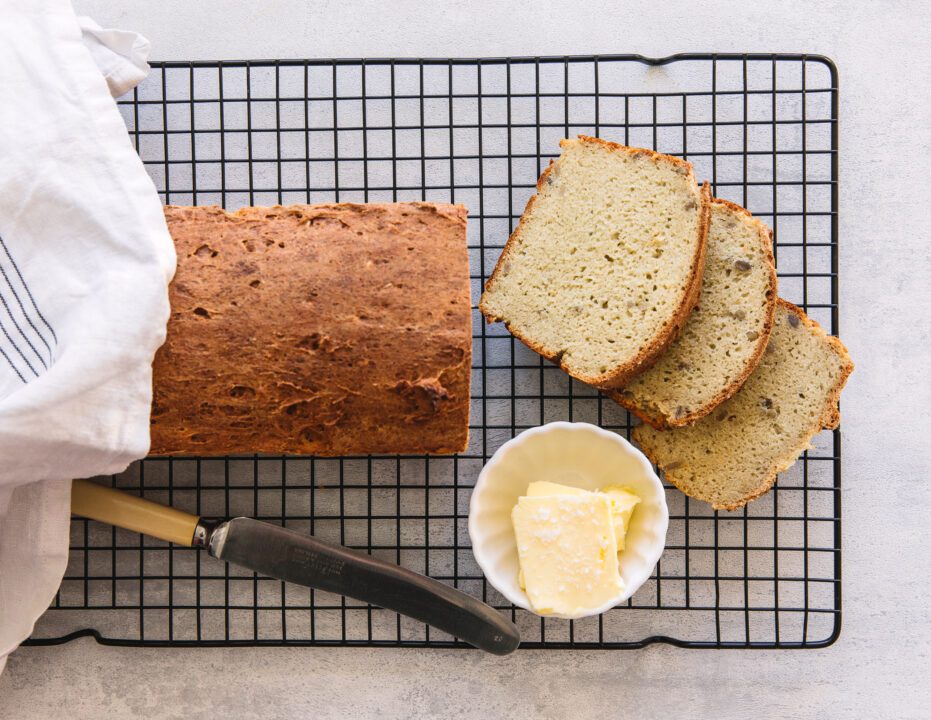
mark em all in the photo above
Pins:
pixel 85 261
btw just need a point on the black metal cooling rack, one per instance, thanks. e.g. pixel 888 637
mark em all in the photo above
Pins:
pixel 762 128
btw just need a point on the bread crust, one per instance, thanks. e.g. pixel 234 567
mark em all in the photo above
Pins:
pixel 618 376
pixel 662 422
pixel 828 420
pixel 335 329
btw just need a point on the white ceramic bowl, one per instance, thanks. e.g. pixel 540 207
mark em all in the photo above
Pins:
pixel 575 454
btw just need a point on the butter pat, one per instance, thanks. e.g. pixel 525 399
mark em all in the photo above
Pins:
pixel 623 502
pixel 567 550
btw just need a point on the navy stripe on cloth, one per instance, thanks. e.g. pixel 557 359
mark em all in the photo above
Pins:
pixel 27 340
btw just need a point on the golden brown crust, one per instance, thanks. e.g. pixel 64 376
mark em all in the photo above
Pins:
pixel 736 208
pixel 662 422
pixel 829 419
pixel 654 420
pixel 683 166
pixel 316 329
pixel 690 293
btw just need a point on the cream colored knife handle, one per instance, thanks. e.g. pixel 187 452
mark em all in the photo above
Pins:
pixel 132 513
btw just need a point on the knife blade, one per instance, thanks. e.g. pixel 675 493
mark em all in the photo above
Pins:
pixel 301 559
pixel 294 557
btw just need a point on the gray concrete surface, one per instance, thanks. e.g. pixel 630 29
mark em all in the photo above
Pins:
pixel 881 665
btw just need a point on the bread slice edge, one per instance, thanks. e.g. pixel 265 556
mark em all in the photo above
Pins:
pixel 616 377
pixel 661 422
pixel 828 420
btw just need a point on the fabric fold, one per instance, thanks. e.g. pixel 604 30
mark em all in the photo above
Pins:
pixel 85 261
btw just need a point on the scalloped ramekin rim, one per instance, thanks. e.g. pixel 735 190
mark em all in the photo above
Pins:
pixel 479 535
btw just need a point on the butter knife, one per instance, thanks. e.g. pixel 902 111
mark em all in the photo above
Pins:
pixel 301 559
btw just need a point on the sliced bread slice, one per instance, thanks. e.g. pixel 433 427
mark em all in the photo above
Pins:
pixel 733 455
pixel 606 263
pixel 726 333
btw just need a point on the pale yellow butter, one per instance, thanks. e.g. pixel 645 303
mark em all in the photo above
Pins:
pixel 567 551
pixel 542 488
pixel 623 501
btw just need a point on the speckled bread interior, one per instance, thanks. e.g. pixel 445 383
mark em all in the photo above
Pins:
pixel 726 333
pixel 316 329
pixel 733 455
pixel 606 262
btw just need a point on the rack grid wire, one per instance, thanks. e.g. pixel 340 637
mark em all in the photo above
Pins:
pixel 762 128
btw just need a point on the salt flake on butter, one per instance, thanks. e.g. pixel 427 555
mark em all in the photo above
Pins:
pixel 623 501
pixel 567 550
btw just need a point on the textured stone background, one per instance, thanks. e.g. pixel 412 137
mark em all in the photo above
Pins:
pixel 880 667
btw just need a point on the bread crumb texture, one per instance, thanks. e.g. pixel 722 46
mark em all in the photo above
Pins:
pixel 732 455
pixel 726 333
pixel 605 262
pixel 316 329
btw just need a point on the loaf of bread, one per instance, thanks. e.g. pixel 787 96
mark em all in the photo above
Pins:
pixel 733 455
pixel 606 262
pixel 316 329
pixel 726 333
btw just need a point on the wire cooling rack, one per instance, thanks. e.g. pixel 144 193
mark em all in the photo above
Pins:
pixel 762 128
